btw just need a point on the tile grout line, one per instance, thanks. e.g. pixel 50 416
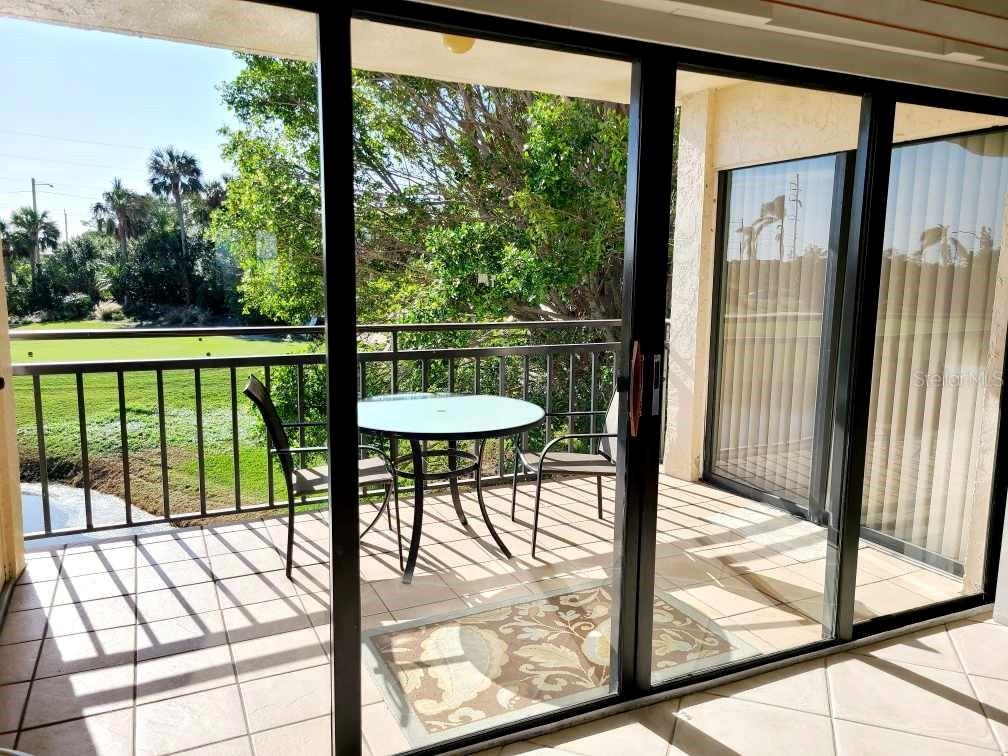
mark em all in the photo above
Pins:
pixel 38 657
pixel 829 705
pixel 175 697
pixel 136 640
pixel 976 697
pixel 227 642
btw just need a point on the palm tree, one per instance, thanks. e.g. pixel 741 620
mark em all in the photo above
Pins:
pixel 951 250
pixel 175 174
pixel 213 197
pixel 35 232
pixel 120 214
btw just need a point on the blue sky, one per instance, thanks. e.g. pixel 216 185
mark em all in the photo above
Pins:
pixel 78 108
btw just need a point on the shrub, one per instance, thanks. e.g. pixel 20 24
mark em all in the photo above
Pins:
pixel 73 268
pixel 183 315
pixel 75 306
pixel 108 311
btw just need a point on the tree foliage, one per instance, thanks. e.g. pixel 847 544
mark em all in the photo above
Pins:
pixel 271 216
pixel 471 202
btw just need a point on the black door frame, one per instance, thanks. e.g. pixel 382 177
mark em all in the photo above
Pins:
pixel 654 70
pixel 815 507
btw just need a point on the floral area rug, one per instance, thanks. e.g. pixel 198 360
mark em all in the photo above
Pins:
pixel 456 673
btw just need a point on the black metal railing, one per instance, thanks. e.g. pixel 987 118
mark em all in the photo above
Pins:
pixel 565 366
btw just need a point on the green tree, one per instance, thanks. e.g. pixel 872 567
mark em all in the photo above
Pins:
pixel 74 266
pixel 121 214
pixel 270 217
pixel 175 174
pixel 204 205
pixel 470 201
pixel 32 233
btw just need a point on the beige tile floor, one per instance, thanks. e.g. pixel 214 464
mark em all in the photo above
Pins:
pixel 194 641
pixel 916 695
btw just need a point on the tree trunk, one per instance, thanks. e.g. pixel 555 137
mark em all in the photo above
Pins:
pixel 122 260
pixel 34 265
pixel 186 282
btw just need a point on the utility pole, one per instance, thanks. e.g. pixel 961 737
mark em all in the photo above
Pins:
pixel 66 227
pixel 35 252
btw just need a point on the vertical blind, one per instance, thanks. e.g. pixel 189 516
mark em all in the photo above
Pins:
pixel 944 221
pixel 773 259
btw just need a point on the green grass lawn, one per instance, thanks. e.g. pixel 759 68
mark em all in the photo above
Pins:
pixel 62 435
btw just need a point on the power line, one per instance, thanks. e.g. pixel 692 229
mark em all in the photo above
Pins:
pixel 76 141
pixel 64 194
pixel 54 160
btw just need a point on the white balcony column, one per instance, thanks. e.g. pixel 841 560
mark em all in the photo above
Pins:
pixel 11 533
pixel 690 288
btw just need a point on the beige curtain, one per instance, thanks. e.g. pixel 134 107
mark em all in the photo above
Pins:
pixel 943 227
pixel 774 272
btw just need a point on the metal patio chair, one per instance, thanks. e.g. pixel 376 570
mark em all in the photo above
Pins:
pixel 549 461
pixel 307 481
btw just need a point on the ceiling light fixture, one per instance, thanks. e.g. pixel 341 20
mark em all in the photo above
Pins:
pixel 458 44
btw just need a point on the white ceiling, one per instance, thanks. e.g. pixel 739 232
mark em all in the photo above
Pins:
pixel 922 41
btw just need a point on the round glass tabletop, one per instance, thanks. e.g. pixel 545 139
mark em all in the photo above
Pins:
pixel 446 416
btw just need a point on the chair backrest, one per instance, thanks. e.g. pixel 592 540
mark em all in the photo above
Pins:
pixel 261 398
pixel 608 446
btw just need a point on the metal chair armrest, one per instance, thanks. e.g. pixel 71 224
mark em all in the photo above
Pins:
pixel 298 449
pixel 379 452
pixel 569 436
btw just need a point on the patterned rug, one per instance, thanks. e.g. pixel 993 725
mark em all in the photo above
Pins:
pixel 458 672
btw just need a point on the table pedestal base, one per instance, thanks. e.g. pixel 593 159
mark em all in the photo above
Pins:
pixel 420 477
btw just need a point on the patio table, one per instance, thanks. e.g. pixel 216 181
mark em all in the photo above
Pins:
pixel 426 417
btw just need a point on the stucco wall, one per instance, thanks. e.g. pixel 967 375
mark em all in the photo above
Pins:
pixel 741 125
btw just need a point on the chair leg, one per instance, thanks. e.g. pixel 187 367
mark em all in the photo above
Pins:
pixel 398 527
pixel 535 513
pixel 598 482
pixel 290 535
pixel 514 487
pixel 384 506
pixel 388 509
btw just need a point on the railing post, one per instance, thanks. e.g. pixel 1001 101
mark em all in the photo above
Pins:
pixel 200 461
pixel 85 461
pixel 124 442
pixel 269 457
pixel 43 461
pixel 395 361
pixel 236 462
pixel 163 444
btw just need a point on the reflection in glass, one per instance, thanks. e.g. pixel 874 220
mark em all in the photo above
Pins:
pixel 774 256
pixel 936 376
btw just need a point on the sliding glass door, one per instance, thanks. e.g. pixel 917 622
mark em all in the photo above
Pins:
pixel 939 351
pixel 776 258
pixel 714 528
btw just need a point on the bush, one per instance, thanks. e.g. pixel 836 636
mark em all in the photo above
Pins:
pixel 183 315
pixel 73 268
pixel 76 306
pixel 108 311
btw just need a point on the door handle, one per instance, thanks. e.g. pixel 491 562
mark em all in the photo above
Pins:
pixel 636 388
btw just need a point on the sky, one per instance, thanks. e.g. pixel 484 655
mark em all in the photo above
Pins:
pixel 79 108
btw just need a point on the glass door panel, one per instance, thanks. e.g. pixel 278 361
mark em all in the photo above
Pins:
pixel 938 359
pixel 776 239
pixel 490 186
pixel 740 554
